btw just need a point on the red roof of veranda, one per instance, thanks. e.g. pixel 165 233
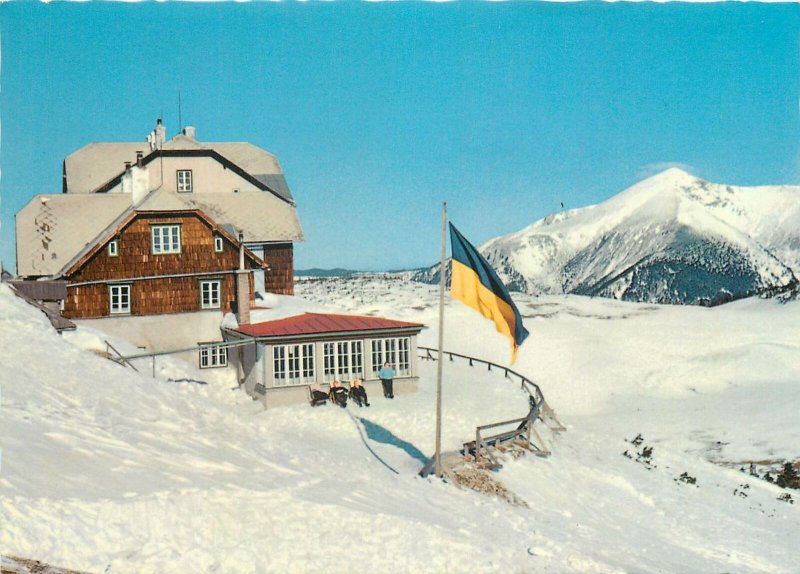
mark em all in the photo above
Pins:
pixel 319 323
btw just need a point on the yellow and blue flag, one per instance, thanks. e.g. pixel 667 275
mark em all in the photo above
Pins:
pixel 475 283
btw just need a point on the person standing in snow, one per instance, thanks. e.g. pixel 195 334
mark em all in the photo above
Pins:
pixel 386 375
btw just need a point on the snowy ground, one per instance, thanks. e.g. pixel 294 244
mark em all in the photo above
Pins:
pixel 107 470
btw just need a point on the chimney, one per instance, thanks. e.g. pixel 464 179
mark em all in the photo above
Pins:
pixel 241 251
pixel 158 136
pixel 188 131
pixel 139 156
pixel 134 181
pixel 242 287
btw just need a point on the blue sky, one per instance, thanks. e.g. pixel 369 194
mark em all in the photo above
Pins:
pixel 379 112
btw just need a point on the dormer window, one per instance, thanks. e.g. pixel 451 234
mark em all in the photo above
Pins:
pixel 113 248
pixel 218 244
pixel 184 180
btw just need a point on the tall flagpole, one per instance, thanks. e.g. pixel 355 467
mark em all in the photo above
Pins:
pixel 438 455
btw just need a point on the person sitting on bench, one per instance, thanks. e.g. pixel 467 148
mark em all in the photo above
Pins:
pixel 316 396
pixel 338 393
pixel 358 392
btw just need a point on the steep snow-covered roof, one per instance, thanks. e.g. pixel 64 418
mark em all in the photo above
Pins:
pixel 96 164
pixel 52 230
pixel 259 216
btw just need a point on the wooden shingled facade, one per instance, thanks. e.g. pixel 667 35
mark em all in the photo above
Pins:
pixel 160 283
pixel 280 277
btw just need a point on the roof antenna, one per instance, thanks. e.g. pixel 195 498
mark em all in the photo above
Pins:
pixel 180 120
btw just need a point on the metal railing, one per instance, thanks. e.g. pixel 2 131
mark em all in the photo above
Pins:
pixel 117 357
pixel 153 355
pixel 525 383
pixel 539 409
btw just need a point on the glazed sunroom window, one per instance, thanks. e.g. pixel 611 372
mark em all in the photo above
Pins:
pixel 293 364
pixel 395 351
pixel 343 360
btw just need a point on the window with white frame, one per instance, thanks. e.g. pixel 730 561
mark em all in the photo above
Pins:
pixel 377 356
pixel 113 248
pixel 404 356
pixel 213 356
pixel 357 359
pixel 293 364
pixel 165 238
pixel 184 180
pixel 390 352
pixel 218 244
pixel 343 360
pixel 396 351
pixel 308 361
pixel 119 299
pixel 279 364
pixel 210 290
pixel 329 361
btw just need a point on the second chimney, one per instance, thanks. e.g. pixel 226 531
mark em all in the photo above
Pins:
pixel 242 287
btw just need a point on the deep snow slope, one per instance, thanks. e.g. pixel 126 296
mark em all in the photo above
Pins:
pixel 672 238
pixel 107 470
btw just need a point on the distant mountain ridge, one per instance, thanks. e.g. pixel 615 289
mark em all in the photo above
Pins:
pixel 319 272
pixel 671 238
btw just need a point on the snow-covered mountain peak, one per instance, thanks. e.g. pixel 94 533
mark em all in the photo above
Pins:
pixel 671 238
pixel 665 190
pixel 674 175
pixel 669 180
